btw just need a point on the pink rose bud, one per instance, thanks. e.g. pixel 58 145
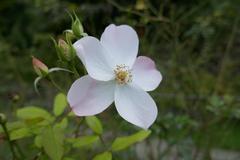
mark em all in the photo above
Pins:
pixel 62 43
pixel 64 49
pixel 40 68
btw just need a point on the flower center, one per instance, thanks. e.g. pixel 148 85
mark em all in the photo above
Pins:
pixel 123 74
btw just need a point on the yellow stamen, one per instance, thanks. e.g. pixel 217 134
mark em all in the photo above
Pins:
pixel 123 74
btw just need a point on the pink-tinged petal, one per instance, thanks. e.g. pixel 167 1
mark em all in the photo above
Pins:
pixel 135 105
pixel 89 97
pixel 145 74
pixel 122 43
pixel 95 58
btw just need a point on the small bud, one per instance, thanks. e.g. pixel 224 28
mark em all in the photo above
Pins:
pixel 16 98
pixel 3 118
pixel 140 5
pixel 40 68
pixel 77 27
pixel 69 35
pixel 65 50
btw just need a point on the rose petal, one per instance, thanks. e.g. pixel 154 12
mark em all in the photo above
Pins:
pixel 145 74
pixel 122 43
pixel 89 97
pixel 95 58
pixel 135 105
pixel 79 50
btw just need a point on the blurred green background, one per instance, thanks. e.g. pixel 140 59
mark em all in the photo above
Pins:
pixel 195 44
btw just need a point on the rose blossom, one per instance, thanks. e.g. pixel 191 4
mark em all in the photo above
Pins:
pixel 115 74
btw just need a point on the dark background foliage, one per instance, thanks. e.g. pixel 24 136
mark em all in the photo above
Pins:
pixel 195 44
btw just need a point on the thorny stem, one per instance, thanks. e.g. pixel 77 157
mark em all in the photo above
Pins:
pixel 9 141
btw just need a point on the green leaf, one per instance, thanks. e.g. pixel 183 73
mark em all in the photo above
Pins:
pixel 124 142
pixel 63 124
pixel 83 141
pixel 60 103
pixel 20 133
pixel 71 114
pixel 52 141
pixel 67 158
pixel 37 121
pixel 32 112
pixel 103 156
pixel 38 141
pixel 13 125
pixel 95 124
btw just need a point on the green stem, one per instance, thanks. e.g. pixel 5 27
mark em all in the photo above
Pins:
pixel 225 60
pixel 19 151
pixel 74 69
pixel 102 140
pixel 79 122
pixel 9 141
pixel 55 84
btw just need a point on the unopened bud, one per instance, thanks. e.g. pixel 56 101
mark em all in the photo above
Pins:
pixel 140 5
pixel 16 98
pixel 66 50
pixel 69 35
pixel 77 27
pixel 40 68
pixel 3 118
